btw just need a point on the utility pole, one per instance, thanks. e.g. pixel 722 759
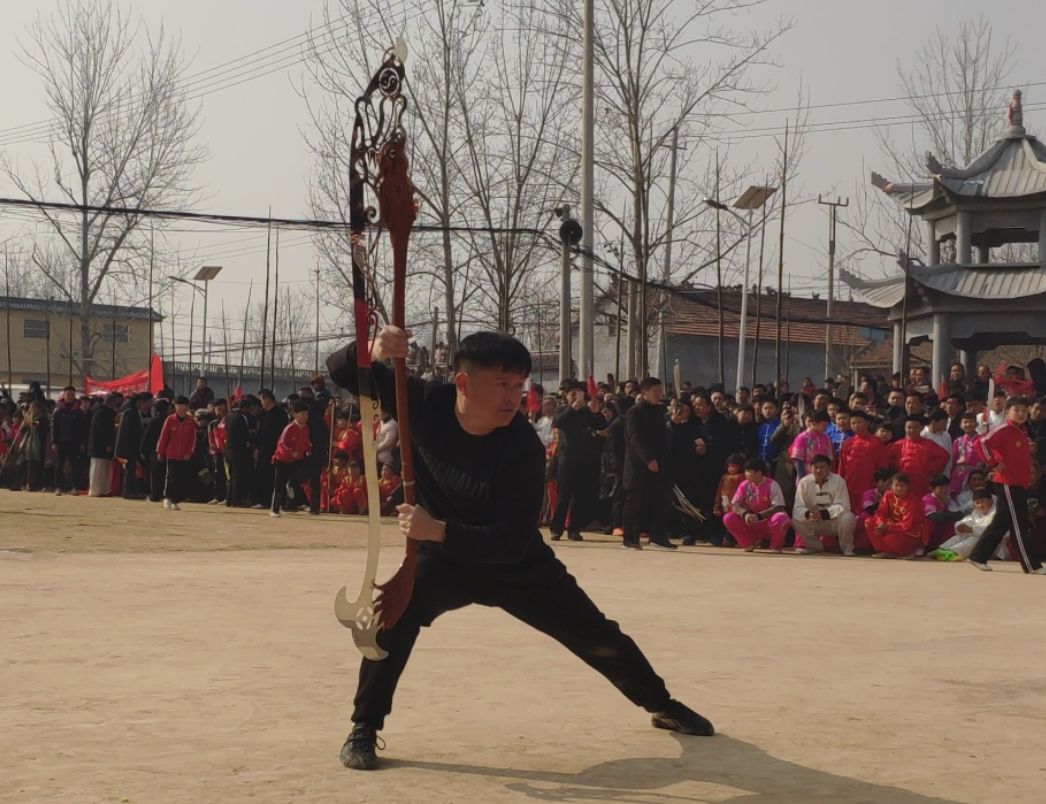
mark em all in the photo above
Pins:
pixel 275 310
pixel 780 259
pixel 586 312
pixel 7 305
pixel 833 207
pixel 246 326
pixel 317 369
pixel 435 334
pixel 149 351
pixel 666 273
pixel 569 235
pixel 47 328
pixel 719 271
pixel 265 306
pixel 759 301
pixel 225 351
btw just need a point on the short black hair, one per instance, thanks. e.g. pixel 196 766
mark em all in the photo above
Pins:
pixel 939 480
pixel 915 417
pixel 1014 401
pixel 883 473
pixel 901 477
pixel 957 397
pixel 648 383
pixel 938 415
pixel 492 350
pixel 820 416
pixel 755 465
pixel 820 458
pixel 300 406
pixel 265 393
pixel 982 494
pixel 182 399
pixel 858 413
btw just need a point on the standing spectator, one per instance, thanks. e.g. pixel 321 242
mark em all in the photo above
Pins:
pixel 388 439
pixel 320 436
pixel 320 390
pixel 917 457
pixel 648 490
pixel 289 459
pixel 768 451
pixel 822 508
pixel 859 459
pixel 68 440
pixel 272 420
pixel 575 493
pixel 936 431
pixel 811 442
pixel 33 439
pixel 237 452
pixel 543 425
pixel 129 441
pixel 217 438
pixel 156 470
pixel 965 456
pixel 202 396
pixel 101 445
pixel 176 447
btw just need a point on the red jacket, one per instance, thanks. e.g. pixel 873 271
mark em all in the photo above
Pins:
pixel 859 457
pixel 294 444
pixel 920 459
pixel 1009 446
pixel 177 438
pixel 901 514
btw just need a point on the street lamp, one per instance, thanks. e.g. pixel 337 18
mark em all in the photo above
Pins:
pixel 755 197
pixel 205 275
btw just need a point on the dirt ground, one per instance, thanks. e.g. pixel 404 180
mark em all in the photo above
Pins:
pixel 151 656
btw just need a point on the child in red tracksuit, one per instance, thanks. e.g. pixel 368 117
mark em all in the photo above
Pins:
pixel 175 447
pixel 292 449
pixel 899 527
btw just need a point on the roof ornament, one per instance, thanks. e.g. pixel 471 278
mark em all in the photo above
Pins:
pixel 933 165
pixel 1015 116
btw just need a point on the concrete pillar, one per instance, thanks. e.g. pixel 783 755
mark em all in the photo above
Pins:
pixel 963 252
pixel 983 254
pixel 898 347
pixel 942 347
pixel 1042 237
pixel 968 358
pixel 933 243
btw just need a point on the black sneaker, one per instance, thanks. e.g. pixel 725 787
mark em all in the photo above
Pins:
pixel 632 545
pixel 681 718
pixel 358 752
pixel 556 536
pixel 663 544
pixel 575 537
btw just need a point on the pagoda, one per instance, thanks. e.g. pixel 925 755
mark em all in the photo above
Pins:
pixel 969 300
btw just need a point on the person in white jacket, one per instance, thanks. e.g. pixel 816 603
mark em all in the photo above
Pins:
pixel 968 530
pixel 822 508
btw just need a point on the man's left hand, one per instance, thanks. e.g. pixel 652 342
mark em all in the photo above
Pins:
pixel 418 524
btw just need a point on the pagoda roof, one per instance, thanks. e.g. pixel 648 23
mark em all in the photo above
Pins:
pixel 1014 167
pixel 1012 281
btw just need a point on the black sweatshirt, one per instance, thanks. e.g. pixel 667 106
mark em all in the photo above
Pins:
pixel 488 489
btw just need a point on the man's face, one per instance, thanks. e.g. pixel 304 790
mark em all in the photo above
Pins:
pixel 957 373
pixel 912 430
pixel 144 405
pixel 977 481
pixel 68 396
pixel 913 405
pixel 769 411
pixel 820 471
pixel 744 395
pixel 983 373
pixel 999 404
pixel 821 401
pixel 744 416
pixel 895 399
pixel 859 425
pixel 85 405
pixel 201 384
pixel 952 408
pixel 1036 411
pixel 1018 414
pixel 490 395
pixel 220 410
pixel 922 376
pixel 753 476
pixel 575 396
pixel 631 388
pixel 181 409
pixel 652 395
pixel 718 400
pixel 700 406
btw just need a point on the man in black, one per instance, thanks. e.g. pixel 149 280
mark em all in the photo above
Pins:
pixel 479 469
pixel 129 441
pixel 648 489
pixel 202 396
pixel 577 478
pixel 271 422
pixel 68 440
pixel 239 446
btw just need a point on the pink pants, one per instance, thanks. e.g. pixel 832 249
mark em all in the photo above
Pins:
pixel 746 535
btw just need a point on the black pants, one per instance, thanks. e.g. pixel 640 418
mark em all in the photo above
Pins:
pixel 67 454
pixel 239 466
pixel 263 478
pixel 646 508
pixel 572 495
pixel 157 478
pixel 130 479
pixel 284 473
pixel 1011 516
pixel 180 480
pixel 543 596
pixel 315 464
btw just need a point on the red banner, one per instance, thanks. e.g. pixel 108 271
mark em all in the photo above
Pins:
pixel 150 379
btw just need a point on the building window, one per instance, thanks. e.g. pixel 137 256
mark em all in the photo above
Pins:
pixel 35 328
pixel 121 333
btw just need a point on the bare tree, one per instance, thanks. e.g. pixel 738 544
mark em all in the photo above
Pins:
pixel 956 91
pixel 123 136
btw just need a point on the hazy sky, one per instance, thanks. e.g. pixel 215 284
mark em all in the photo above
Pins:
pixel 842 51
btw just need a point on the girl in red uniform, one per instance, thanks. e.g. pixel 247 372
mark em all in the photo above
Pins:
pixel 898 528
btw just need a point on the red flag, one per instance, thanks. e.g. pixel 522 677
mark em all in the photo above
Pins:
pixel 237 395
pixel 942 389
pixel 593 391
pixel 148 379
pixel 533 401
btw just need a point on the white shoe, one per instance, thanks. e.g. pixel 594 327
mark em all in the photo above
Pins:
pixel 175 507
pixel 978 565
pixel 1039 571
pixel 274 514
pixel 166 504
pixel 805 551
pixel 849 552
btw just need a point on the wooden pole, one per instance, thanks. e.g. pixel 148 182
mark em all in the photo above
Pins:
pixel 759 301
pixel 719 275
pixel 275 308
pixel 317 369
pixel 265 306
pixel 780 257
pixel 290 333
pixel 47 332
pixel 246 326
pixel 7 305
pixel 149 351
pixel 225 351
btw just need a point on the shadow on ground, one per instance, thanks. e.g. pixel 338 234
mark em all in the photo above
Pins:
pixel 758 778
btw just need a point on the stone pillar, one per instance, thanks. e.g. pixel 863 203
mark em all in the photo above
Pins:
pixel 983 254
pixel 898 347
pixel 933 243
pixel 968 358
pixel 942 347
pixel 1042 237
pixel 963 253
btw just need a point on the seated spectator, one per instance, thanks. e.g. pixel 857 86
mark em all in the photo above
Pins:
pixel 758 510
pixel 822 508
pixel 969 529
pixel 975 481
pixel 869 504
pixel 941 511
pixel 388 486
pixel 898 528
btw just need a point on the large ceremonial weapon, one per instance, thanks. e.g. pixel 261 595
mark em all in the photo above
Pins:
pixel 378 160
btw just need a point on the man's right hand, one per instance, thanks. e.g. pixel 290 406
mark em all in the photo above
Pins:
pixel 390 342
pixel 653 466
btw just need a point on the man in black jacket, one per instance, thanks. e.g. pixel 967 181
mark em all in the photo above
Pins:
pixel 648 488
pixel 101 445
pixel 68 439
pixel 239 447
pixel 156 469
pixel 577 480
pixel 129 441
pixel 479 470
pixel 271 422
